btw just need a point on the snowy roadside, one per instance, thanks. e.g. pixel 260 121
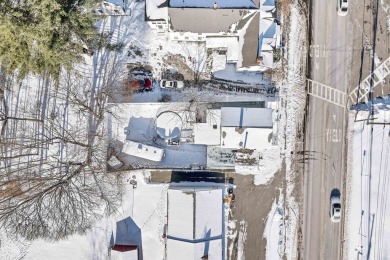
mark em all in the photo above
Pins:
pixel 292 106
pixel 367 213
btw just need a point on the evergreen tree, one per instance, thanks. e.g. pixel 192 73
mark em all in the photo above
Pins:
pixel 44 36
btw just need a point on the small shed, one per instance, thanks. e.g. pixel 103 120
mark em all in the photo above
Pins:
pixel 126 242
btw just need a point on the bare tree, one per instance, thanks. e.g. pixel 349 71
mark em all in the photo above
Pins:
pixel 53 178
pixel 199 58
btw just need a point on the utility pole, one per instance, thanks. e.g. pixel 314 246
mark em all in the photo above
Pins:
pixel 371 107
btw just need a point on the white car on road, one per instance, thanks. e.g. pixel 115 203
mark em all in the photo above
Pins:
pixel 171 84
pixel 342 7
pixel 335 209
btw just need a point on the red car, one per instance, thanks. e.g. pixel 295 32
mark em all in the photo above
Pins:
pixel 138 85
pixel 147 84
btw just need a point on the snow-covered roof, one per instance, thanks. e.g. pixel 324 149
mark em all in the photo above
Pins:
pixel 202 20
pixel 246 117
pixel 208 133
pixel 230 73
pixel 267 5
pixel 143 151
pixel 184 250
pixel 267 26
pixel 156 10
pixel 248 138
pixel 194 213
pixel 140 129
pixel 267 53
pixel 230 43
pixel 210 3
pixel 269 38
pixel 127 233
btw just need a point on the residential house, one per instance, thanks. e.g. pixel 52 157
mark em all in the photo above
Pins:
pixel 195 228
pixel 246 128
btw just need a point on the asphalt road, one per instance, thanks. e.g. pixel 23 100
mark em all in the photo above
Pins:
pixel 331 48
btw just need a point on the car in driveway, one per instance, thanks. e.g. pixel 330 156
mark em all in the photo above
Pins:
pixel 335 208
pixel 171 84
pixel 136 86
pixel 342 7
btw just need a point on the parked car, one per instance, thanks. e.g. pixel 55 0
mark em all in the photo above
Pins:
pixel 342 7
pixel 335 208
pixel 171 84
pixel 138 85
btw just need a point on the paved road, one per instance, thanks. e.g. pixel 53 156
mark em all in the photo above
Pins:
pixel 325 134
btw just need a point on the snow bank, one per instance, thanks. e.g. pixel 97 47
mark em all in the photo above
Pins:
pixel 274 231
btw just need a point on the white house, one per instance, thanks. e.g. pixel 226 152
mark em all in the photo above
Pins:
pixel 246 128
pixel 195 229
pixel 269 38
pixel 157 15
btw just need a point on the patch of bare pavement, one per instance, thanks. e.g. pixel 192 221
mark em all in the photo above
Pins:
pixel 252 205
pixel 364 45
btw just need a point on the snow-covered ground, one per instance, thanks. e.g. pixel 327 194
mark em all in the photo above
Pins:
pixel 146 205
pixel 367 220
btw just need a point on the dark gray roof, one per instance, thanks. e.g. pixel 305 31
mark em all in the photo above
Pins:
pixel 204 20
pixel 251 43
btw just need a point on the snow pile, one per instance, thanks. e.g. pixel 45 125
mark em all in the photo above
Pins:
pixel 268 164
pixel 274 231
pixel 367 220
pixel 231 233
pixel 241 240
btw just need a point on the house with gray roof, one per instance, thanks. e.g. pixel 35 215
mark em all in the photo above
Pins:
pixel 211 20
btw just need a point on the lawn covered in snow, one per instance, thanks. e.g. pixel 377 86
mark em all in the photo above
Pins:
pixel 146 205
pixel 367 220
